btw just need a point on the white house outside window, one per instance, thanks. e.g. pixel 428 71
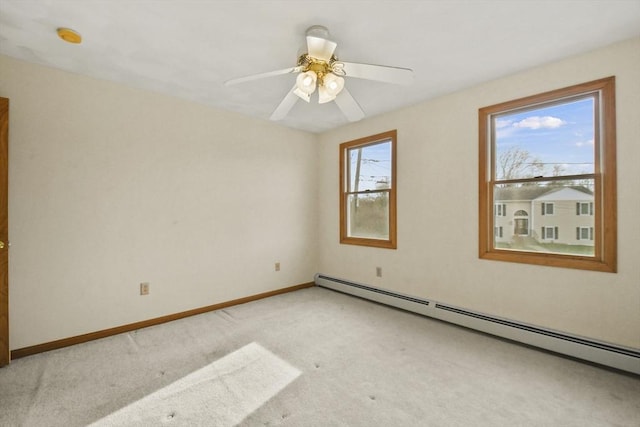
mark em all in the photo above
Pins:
pixel 547 208
pixel 584 208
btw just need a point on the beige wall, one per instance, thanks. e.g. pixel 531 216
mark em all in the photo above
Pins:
pixel 437 255
pixel 112 186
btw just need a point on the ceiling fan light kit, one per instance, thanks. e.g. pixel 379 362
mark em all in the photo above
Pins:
pixel 320 74
pixel 320 69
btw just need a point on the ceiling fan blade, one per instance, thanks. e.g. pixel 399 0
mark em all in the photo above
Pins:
pixel 349 106
pixel 320 48
pixel 381 73
pixel 263 75
pixel 285 106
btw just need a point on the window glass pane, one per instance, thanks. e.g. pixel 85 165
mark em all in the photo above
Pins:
pixel 370 167
pixel 368 215
pixel 555 231
pixel 553 140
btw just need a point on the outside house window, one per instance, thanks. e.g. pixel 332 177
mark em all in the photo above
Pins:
pixel 547 208
pixel 368 191
pixel 584 233
pixel 584 208
pixel 553 155
pixel 550 233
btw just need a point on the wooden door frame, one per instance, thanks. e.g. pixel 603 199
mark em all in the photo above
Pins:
pixel 5 355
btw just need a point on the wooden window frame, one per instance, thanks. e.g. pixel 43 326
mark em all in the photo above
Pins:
pixel 605 193
pixel 391 242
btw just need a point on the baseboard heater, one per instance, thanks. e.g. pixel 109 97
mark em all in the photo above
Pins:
pixel 623 358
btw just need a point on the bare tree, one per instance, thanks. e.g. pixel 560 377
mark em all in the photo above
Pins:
pixel 558 170
pixel 518 163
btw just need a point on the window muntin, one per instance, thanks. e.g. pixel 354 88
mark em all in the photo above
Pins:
pixel 368 191
pixel 553 155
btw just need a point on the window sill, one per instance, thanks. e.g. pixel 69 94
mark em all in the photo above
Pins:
pixel 551 260
pixel 375 243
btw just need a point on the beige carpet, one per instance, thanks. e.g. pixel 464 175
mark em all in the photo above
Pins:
pixel 311 358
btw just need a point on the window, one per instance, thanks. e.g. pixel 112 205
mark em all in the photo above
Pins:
pixel 584 233
pixel 584 208
pixel 368 191
pixel 498 231
pixel 547 208
pixel 501 209
pixel 550 233
pixel 554 155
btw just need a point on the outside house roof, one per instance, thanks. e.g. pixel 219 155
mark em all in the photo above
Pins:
pixel 533 192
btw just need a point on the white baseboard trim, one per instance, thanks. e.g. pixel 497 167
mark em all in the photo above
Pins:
pixel 611 355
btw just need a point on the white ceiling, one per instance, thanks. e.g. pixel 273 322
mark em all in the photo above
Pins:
pixel 189 48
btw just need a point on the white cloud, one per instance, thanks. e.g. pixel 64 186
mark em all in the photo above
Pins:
pixel 504 128
pixel 537 122
pixel 500 124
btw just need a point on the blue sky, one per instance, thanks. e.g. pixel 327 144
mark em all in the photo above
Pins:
pixel 561 134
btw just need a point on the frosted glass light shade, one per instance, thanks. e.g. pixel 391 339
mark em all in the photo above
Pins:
pixel 305 85
pixel 332 85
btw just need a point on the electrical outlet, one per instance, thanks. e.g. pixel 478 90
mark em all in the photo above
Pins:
pixel 379 271
pixel 144 288
pixel 277 266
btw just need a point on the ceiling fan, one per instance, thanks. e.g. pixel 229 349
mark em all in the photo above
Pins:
pixel 319 69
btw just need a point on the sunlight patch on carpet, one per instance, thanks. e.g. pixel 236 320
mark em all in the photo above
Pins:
pixel 222 393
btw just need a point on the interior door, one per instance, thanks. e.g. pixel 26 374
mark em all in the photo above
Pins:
pixel 4 232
